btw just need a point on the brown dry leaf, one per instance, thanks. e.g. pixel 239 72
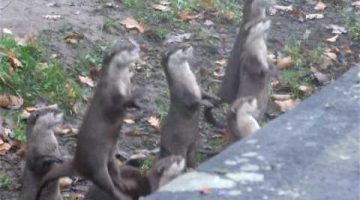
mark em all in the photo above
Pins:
pixel 65 182
pixel 74 196
pixel 209 3
pixel 154 122
pixel 287 105
pixel 129 121
pixel 328 58
pixel 284 63
pixel 73 38
pixel 4 148
pixel 134 133
pixel 11 102
pixel 306 90
pixel 320 6
pixel 332 39
pixel 66 129
pixel 205 191
pixel 185 16
pixel 161 7
pixel 25 40
pixel 131 23
pixel 283 8
pixel 221 62
pixel 11 56
pixel 275 83
pixel 281 97
pixel 346 49
pixel 86 80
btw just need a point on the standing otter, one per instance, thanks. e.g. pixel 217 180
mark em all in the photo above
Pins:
pixel 42 151
pixel 180 130
pixel 161 173
pixel 99 132
pixel 249 71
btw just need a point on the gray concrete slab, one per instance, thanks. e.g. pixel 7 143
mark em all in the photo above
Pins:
pixel 310 153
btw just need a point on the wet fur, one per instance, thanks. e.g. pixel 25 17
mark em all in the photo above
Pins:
pixel 163 171
pixel 180 130
pixel 42 151
pixel 96 140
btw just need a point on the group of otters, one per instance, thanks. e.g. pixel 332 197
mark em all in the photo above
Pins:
pixel 245 87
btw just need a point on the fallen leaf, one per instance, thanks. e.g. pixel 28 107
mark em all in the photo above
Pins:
pixel 314 16
pixel 4 148
pixel 185 16
pixel 287 105
pixel 65 182
pixel 275 83
pixel 209 23
pixel 7 31
pixel 154 122
pixel 332 39
pixel 209 3
pixel 134 133
pixel 25 40
pixel 11 56
pixel 306 90
pixel 161 7
pixel 205 191
pixel 74 196
pixel 86 80
pixel 281 97
pixel 346 49
pixel 131 23
pixel 320 6
pixel 129 121
pixel 221 62
pixel 283 8
pixel 336 29
pixel 66 129
pixel 284 63
pixel 11 102
pixel 74 38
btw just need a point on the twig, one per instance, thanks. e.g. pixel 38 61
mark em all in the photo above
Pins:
pixel 6 5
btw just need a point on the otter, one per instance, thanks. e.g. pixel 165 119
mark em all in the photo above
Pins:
pixel 99 132
pixel 42 151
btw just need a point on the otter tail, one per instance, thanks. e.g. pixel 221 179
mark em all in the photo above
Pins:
pixel 57 171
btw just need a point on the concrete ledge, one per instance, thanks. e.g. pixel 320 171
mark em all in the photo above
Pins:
pixel 310 153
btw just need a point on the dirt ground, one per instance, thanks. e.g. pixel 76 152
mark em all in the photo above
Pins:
pixel 87 17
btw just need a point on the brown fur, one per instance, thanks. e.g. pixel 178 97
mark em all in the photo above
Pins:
pixel 180 130
pixel 42 151
pixel 101 125
pixel 248 72
pixel 163 171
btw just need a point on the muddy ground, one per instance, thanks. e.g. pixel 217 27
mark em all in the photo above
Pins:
pixel 211 43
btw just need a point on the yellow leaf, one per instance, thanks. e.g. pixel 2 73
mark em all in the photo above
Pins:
pixel 160 7
pixel 10 102
pixel 131 23
pixel 221 62
pixel 154 122
pixel 74 38
pixel 332 39
pixel 87 81
pixel 284 63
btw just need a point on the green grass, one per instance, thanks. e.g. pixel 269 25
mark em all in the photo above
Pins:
pixel 299 74
pixel 225 9
pixel 38 79
pixel 354 32
pixel 5 180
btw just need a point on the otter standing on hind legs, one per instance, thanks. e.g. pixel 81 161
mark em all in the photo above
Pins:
pixel 100 129
pixel 248 72
pixel 42 151
pixel 180 130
